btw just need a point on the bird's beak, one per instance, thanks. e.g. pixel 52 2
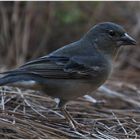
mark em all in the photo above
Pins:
pixel 127 40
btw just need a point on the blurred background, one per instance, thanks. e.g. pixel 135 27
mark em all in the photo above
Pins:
pixel 31 29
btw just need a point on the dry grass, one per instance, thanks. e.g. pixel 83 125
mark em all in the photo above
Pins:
pixel 113 114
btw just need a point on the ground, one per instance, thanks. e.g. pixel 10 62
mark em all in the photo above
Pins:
pixel 113 113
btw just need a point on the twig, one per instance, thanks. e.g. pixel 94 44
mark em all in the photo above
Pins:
pixel 118 95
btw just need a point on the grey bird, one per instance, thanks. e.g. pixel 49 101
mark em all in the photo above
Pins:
pixel 75 69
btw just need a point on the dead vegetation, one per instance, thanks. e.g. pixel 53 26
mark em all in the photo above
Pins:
pixel 112 113
pixel 32 29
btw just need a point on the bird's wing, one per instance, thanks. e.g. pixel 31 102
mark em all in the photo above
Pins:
pixel 57 67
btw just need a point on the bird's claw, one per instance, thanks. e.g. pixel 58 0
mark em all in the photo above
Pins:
pixel 79 127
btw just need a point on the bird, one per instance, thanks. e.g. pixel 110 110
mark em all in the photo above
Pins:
pixel 75 69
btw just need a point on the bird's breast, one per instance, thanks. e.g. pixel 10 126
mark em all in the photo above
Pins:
pixel 70 89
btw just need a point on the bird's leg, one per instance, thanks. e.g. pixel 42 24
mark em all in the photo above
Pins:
pixel 62 106
pixel 74 124
pixel 68 117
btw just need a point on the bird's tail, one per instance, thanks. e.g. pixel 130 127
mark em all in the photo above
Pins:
pixel 18 77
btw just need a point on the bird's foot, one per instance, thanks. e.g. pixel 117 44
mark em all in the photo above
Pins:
pixel 79 127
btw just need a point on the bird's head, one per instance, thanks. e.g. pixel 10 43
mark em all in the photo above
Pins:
pixel 107 37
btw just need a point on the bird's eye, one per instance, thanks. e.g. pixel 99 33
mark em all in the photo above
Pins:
pixel 112 33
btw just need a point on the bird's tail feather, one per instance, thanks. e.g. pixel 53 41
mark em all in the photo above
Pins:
pixel 17 77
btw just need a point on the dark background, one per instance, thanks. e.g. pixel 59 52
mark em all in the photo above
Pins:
pixel 32 29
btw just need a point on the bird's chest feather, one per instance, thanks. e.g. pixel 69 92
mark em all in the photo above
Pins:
pixel 101 74
pixel 70 89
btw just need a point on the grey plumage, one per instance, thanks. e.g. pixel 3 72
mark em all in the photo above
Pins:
pixel 76 68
